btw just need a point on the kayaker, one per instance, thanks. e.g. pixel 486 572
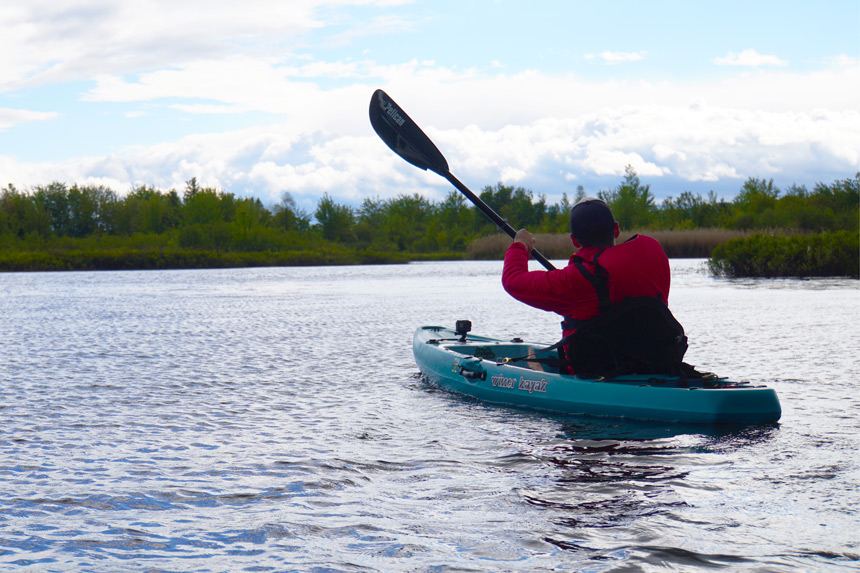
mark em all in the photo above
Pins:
pixel 635 268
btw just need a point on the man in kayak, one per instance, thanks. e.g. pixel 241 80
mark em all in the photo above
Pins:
pixel 600 273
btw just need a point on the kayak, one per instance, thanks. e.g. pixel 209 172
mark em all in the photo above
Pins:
pixel 498 372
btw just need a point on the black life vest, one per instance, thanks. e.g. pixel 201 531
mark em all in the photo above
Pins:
pixel 639 335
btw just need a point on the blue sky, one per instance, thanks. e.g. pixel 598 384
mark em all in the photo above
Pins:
pixel 262 97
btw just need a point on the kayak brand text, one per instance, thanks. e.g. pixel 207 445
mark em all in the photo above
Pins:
pixel 502 381
pixel 525 384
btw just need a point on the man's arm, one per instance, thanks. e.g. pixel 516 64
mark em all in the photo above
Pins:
pixel 546 290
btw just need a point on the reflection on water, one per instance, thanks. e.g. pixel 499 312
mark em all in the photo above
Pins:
pixel 274 420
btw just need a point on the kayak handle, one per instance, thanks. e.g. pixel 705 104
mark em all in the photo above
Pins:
pixel 472 375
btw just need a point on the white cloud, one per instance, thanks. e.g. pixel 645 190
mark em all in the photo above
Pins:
pixel 45 41
pixel 843 61
pixel 666 145
pixel 664 152
pixel 750 59
pixel 617 57
pixel 208 109
pixel 388 23
pixel 11 117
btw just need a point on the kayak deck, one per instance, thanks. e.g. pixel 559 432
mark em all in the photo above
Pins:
pixel 479 366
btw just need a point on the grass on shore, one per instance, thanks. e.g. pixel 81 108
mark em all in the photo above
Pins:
pixel 694 243
pixel 159 259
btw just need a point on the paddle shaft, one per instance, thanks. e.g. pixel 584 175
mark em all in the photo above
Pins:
pixel 494 217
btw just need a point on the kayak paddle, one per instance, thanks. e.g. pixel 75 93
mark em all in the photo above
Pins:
pixel 406 139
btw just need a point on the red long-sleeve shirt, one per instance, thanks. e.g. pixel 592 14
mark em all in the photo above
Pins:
pixel 637 267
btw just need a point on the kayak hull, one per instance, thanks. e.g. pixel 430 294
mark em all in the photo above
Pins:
pixel 474 366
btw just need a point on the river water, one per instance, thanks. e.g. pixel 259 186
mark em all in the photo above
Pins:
pixel 274 420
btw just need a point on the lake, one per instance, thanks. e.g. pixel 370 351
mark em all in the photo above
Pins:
pixel 274 420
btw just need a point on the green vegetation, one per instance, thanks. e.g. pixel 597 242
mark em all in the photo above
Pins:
pixel 151 259
pixel 821 255
pixel 57 227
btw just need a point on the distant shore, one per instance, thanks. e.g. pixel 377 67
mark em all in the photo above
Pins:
pixel 58 227
pixel 730 254
pixel 164 259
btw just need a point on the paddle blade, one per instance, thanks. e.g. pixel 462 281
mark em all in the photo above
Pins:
pixel 403 135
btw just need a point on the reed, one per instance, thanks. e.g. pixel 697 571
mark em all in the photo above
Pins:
pixel 687 244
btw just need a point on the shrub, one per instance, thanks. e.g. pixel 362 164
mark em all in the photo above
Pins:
pixel 825 254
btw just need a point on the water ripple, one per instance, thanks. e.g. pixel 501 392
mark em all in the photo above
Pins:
pixel 274 420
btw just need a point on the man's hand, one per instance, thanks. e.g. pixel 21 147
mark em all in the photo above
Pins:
pixel 525 238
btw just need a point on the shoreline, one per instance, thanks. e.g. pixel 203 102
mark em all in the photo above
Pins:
pixel 741 255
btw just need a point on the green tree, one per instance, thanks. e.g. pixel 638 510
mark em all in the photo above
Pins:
pixel 631 202
pixel 54 200
pixel 93 209
pixel 455 219
pixel 247 225
pixel 334 221
pixel 514 204
pixel 204 206
pixel 558 215
pixel 755 205
pixel 207 214
pixel 20 216
pixel 83 208
pixel 841 199
pixel 370 224
pixel 691 211
pixel 288 216
pixel 148 210
pixel 406 221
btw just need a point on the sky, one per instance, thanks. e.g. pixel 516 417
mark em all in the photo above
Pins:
pixel 262 97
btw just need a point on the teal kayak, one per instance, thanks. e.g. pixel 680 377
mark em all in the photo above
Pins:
pixel 478 366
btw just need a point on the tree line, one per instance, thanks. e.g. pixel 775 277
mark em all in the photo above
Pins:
pixel 206 218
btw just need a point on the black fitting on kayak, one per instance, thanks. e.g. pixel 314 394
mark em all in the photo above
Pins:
pixel 462 328
pixel 472 375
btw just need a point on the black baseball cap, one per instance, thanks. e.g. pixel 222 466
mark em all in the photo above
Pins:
pixel 591 218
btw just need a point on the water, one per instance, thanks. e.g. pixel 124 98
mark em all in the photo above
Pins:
pixel 274 420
